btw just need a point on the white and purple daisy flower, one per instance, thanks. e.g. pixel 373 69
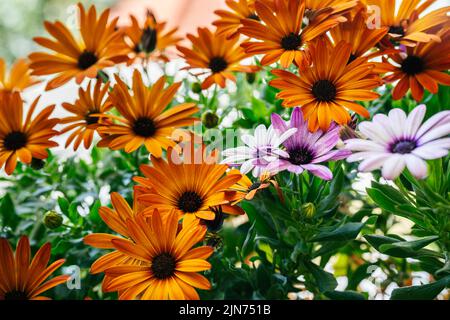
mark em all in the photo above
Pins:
pixel 396 140
pixel 307 150
pixel 260 150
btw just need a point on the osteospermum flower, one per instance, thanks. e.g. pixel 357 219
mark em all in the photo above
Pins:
pixel 21 140
pixel 260 149
pixel 144 119
pixel 363 40
pixel 397 140
pixel 149 41
pixel 307 150
pixel 100 46
pixel 169 265
pixel 421 67
pixel 82 124
pixel 22 278
pixel 18 78
pixel 330 87
pixel 247 189
pixel 218 55
pixel 280 34
pixel 230 20
pixel 323 9
pixel 116 219
pixel 405 25
pixel 190 186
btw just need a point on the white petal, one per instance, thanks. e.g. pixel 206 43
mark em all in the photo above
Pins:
pixel 373 162
pixel 247 166
pixel 439 119
pixel 416 166
pixel 430 152
pixel 261 135
pixel 393 167
pixel 435 133
pixel 286 135
pixel 414 120
pixel 363 145
pixel 248 140
pixel 398 118
pixel 375 132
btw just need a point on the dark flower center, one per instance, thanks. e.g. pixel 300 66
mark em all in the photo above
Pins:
pixel 91 120
pixel 190 202
pixel 324 90
pixel 144 127
pixel 163 266
pixel 397 30
pixel 218 64
pixel 254 16
pixel 254 186
pixel 217 223
pixel 403 146
pixel 15 140
pixel 413 65
pixel 16 295
pixel 86 60
pixel 291 42
pixel 352 58
pixel 148 40
pixel 301 155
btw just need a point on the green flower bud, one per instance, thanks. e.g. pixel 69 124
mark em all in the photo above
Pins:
pixel 52 219
pixel 308 210
pixel 251 77
pixel 37 164
pixel 196 87
pixel 210 120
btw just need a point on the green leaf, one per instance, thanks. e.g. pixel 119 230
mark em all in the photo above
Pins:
pixel 376 240
pixel 405 249
pixel 345 295
pixel 64 205
pixel 93 212
pixel 381 199
pixel 423 292
pixel 247 247
pixel 8 212
pixel 348 231
pixel 325 280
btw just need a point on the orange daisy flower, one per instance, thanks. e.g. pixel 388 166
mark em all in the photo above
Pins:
pixel 117 221
pixel 149 41
pixel 169 265
pixel 362 39
pixel 219 55
pixel 192 186
pixel 84 107
pixel 101 46
pixel 22 280
pixel 247 189
pixel 144 120
pixel 421 67
pixel 19 77
pixel 230 20
pixel 319 10
pixel 330 87
pixel 24 140
pixel 280 32
pixel 406 25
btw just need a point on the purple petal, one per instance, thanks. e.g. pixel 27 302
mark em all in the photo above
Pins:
pixel 278 166
pixel 278 123
pixel 295 169
pixel 319 171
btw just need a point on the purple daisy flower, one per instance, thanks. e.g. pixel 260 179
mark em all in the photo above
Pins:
pixel 396 140
pixel 307 149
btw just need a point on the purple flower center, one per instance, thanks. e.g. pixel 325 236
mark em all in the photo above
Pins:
pixel 300 155
pixel 403 146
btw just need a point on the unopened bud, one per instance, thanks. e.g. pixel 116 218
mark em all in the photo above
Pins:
pixel 210 120
pixel 251 77
pixel 196 87
pixel 52 219
pixel 308 210
pixel 37 164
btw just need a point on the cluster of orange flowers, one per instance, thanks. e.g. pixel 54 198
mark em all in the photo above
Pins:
pixel 328 44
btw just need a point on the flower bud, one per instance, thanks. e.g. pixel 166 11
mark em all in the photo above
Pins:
pixel 52 219
pixel 210 120
pixel 37 164
pixel 251 77
pixel 308 210
pixel 196 87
